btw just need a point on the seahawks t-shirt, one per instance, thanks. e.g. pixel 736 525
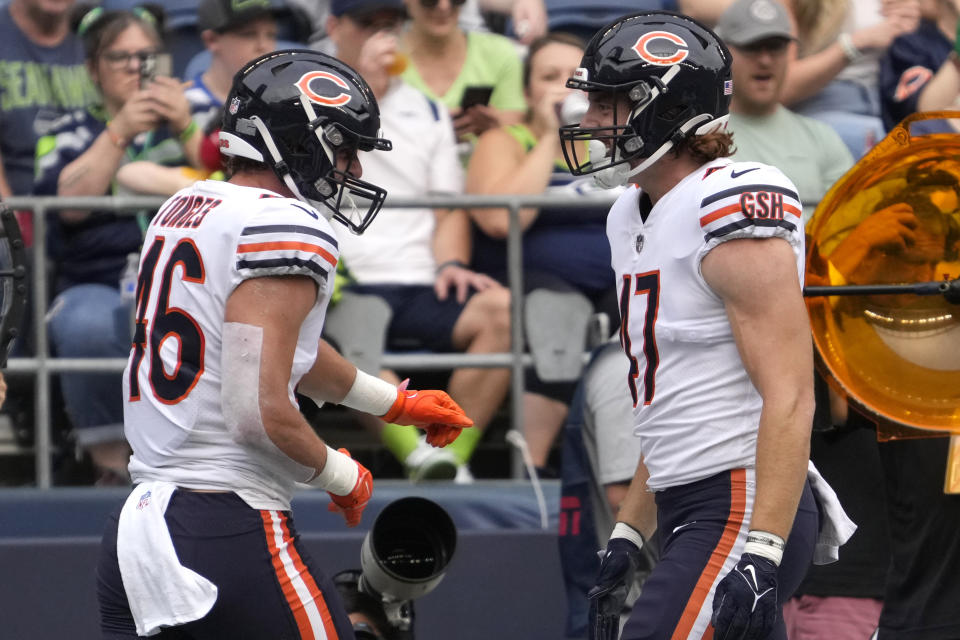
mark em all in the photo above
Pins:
pixel 38 86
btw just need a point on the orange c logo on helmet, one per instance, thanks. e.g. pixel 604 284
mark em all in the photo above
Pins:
pixel 662 58
pixel 338 100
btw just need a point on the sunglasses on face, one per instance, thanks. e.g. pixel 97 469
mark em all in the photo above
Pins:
pixel 430 4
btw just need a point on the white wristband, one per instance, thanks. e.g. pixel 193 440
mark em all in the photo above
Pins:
pixel 370 394
pixel 339 474
pixel 850 51
pixel 766 544
pixel 623 530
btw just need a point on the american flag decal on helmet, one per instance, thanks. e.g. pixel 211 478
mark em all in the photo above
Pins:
pixel 727 87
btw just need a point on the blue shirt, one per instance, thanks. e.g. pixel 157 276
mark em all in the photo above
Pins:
pixel 906 68
pixel 94 250
pixel 38 85
pixel 570 244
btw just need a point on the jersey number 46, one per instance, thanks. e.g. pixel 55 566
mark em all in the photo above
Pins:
pixel 167 322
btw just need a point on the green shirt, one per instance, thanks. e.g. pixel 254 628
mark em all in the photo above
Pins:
pixel 808 151
pixel 491 61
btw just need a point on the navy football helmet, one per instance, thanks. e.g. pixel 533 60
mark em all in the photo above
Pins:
pixel 294 110
pixel 675 76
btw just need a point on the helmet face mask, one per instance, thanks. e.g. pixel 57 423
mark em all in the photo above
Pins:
pixel 666 76
pixel 297 111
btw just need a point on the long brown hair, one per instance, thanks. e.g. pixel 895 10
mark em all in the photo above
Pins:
pixel 708 147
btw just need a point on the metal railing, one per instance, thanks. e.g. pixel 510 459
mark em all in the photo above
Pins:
pixel 42 365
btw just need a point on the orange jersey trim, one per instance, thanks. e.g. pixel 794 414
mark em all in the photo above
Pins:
pixel 719 213
pixel 288 246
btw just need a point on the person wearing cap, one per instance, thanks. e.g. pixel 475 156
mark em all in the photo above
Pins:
pixel 233 33
pixel 809 152
pixel 416 259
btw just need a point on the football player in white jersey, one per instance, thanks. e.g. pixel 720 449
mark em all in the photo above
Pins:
pixel 234 282
pixel 709 260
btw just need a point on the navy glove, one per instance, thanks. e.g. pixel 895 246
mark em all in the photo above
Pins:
pixel 618 565
pixel 745 603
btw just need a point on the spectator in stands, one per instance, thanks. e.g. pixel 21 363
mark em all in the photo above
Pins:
pixel 444 60
pixel 835 75
pixel 81 156
pixel 810 153
pixel 921 70
pixel 563 249
pixel 529 18
pixel 44 78
pixel 910 229
pixel 234 34
pixel 839 600
pixel 416 259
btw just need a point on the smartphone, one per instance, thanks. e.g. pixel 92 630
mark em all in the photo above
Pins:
pixel 159 65
pixel 475 95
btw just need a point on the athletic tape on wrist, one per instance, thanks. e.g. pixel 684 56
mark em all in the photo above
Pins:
pixel 765 544
pixel 623 530
pixel 370 394
pixel 339 474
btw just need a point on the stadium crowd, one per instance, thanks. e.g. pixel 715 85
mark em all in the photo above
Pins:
pixel 127 98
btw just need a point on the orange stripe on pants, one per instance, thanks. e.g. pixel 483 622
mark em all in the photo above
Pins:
pixel 303 622
pixel 318 599
pixel 738 506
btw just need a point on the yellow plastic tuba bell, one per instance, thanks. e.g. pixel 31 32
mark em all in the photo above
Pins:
pixel 883 254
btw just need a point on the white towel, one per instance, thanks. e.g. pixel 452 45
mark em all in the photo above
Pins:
pixel 836 527
pixel 161 591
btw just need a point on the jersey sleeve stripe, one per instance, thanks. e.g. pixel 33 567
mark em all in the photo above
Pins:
pixel 290 228
pixel 281 267
pixel 746 222
pixel 256 247
pixel 735 191
pixel 789 208
pixel 719 213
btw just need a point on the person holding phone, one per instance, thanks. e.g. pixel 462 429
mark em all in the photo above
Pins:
pixel 563 249
pixel 476 75
pixel 415 259
pixel 82 157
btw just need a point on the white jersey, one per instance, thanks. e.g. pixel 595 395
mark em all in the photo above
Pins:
pixel 203 242
pixel 695 409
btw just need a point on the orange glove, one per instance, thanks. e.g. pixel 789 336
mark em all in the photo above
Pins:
pixel 433 411
pixel 353 504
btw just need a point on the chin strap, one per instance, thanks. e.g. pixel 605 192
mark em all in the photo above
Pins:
pixel 281 167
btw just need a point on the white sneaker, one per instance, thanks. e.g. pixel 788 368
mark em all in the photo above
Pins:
pixel 463 475
pixel 427 462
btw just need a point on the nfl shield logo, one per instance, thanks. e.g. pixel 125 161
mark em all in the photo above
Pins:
pixel 144 501
pixel 638 243
pixel 234 106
